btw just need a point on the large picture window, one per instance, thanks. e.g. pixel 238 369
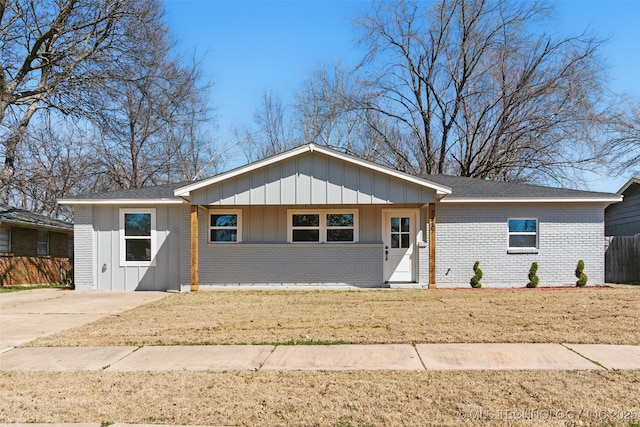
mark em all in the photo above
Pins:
pixel 137 232
pixel 523 233
pixel 225 226
pixel 323 226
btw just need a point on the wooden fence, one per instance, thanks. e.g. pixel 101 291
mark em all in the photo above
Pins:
pixel 622 260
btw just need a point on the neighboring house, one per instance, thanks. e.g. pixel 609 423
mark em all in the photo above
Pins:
pixel 34 249
pixel 623 219
pixel 315 216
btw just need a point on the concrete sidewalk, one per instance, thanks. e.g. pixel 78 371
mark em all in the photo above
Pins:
pixel 420 357
pixel 26 316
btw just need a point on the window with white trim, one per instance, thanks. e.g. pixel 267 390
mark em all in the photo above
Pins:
pixel 523 233
pixel 225 226
pixel 43 242
pixel 137 236
pixel 5 239
pixel 319 226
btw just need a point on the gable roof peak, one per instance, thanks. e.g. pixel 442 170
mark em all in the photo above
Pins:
pixel 185 191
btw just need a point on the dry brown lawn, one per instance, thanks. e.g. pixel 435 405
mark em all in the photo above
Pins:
pixel 590 315
pixel 469 398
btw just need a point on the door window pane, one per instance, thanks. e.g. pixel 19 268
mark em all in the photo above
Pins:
pixel 395 225
pixel 400 232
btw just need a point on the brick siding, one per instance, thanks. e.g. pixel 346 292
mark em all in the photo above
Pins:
pixel 22 270
pixel 567 232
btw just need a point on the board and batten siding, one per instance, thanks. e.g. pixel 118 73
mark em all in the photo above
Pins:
pixel 568 232
pixel 623 218
pixel 109 275
pixel 312 179
pixel 266 258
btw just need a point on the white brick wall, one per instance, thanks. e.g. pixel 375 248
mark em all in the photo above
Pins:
pixel 84 249
pixel 568 232
pixel 264 264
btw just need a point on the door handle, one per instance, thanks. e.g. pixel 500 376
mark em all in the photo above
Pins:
pixel 386 253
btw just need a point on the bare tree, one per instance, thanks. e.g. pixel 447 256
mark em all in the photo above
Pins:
pixel 272 131
pixel 623 140
pixel 466 87
pixel 54 54
pixel 141 119
pixel 54 161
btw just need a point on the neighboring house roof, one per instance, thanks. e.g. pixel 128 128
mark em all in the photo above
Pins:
pixel 633 180
pixel 481 190
pixel 25 218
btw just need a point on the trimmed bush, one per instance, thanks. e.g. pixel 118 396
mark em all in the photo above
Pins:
pixel 475 280
pixel 582 278
pixel 533 279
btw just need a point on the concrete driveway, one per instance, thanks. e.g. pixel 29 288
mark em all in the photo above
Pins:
pixel 27 315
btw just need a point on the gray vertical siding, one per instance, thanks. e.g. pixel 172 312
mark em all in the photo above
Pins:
pixel 568 232
pixel 623 218
pixel 164 274
pixel 312 179
pixel 265 257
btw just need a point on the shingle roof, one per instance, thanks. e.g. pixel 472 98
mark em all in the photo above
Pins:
pixel 164 191
pixel 22 217
pixel 462 188
pixel 474 188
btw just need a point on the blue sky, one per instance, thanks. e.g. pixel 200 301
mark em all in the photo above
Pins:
pixel 250 47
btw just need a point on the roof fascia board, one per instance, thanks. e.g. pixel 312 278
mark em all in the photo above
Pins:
pixel 186 190
pixel 634 180
pixel 121 202
pixel 440 189
pixel 534 200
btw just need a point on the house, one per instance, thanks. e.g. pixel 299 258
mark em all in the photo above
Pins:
pixel 34 249
pixel 316 216
pixel 622 228
pixel 623 219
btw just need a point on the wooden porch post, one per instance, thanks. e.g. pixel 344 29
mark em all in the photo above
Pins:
pixel 194 248
pixel 432 245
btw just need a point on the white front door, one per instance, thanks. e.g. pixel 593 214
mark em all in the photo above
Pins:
pixel 399 246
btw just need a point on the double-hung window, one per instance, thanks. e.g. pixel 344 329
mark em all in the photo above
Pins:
pixel 335 226
pixel 43 242
pixel 5 239
pixel 225 226
pixel 523 234
pixel 137 236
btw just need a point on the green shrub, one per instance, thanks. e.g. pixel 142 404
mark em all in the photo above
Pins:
pixel 533 279
pixel 582 278
pixel 475 280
